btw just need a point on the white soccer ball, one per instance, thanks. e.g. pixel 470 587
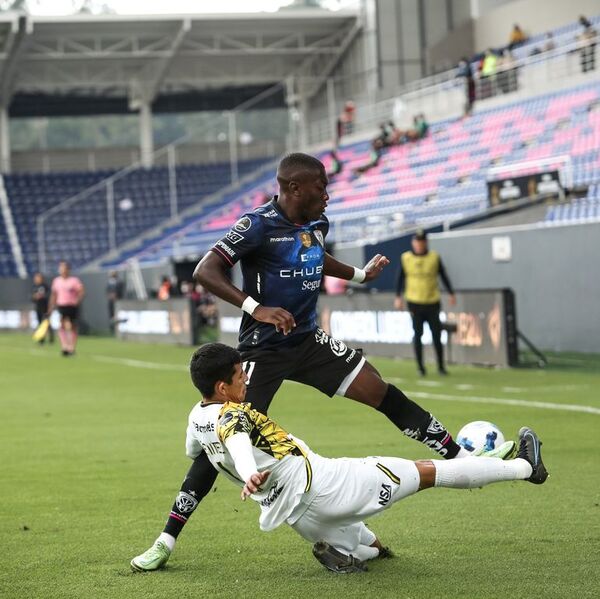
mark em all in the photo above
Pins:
pixel 478 435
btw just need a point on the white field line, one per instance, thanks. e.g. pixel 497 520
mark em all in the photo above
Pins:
pixel 140 363
pixel 542 405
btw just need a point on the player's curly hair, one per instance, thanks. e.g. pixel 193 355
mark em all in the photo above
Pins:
pixel 297 161
pixel 212 363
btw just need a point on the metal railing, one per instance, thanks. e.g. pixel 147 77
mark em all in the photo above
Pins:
pixel 125 211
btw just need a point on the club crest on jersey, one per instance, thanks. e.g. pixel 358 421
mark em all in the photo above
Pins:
pixel 339 348
pixel 319 236
pixel 243 224
pixel 306 239
pixel 185 502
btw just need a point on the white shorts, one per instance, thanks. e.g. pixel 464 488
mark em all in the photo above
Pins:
pixel 348 490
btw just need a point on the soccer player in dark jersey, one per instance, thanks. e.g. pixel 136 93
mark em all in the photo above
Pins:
pixel 40 294
pixel 281 246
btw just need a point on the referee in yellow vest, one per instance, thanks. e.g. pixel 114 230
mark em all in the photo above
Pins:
pixel 418 284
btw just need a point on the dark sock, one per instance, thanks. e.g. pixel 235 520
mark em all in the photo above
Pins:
pixel 439 351
pixel 198 482
pixel 417 424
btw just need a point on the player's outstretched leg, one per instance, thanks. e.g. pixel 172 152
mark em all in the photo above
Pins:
pixel 478 472
pixel 198 482
pixel 530 449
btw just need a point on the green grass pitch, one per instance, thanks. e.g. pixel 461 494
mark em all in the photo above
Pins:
pixel 93 455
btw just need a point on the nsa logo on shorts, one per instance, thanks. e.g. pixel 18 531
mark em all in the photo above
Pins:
pixel 385 494
pixel 185 502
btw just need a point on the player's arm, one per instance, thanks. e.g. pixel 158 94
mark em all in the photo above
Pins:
pixel 400 282
pixel 447 284
pixel 211 273
pixel 335 268
pixel 239 447
pixel 80 293
pixel 51 301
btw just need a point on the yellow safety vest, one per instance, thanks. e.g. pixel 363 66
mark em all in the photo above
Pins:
pixel 421 277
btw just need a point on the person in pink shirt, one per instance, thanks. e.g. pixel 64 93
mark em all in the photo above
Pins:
pixel 66 295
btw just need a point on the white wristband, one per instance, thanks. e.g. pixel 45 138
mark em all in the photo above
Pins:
pixel 359 275
pixel 249 305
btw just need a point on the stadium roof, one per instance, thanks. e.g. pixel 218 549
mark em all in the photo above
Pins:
pixel 141 58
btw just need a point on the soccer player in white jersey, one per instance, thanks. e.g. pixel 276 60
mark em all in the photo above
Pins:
pixel 324 500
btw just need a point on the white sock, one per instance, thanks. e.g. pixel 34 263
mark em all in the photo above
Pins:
pixel 364 552
pixel 167 539
pixel 477 472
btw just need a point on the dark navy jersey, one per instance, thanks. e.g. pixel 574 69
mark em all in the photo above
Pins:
pixel 282 267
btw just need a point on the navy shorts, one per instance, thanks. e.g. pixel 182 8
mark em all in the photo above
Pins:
pixel 319 361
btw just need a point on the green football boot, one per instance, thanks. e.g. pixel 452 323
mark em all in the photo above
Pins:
pixel 506 451
pixel 152 559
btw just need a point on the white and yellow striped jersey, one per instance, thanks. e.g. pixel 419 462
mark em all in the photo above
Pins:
pixel 287 491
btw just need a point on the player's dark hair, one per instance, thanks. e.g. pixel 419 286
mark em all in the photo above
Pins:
pixel 212 363
pixel 299 161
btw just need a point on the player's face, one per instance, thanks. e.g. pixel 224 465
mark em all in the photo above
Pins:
pixel 63 269
pixel 236 391
pixel 419 246
pixel 314 196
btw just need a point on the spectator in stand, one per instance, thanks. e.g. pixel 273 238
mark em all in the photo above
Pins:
pixel 164 291
pixel 420 128
pixel 587 45
pixel 465 71
pixel 336 165
pixel 507 72
pixel 374 157
pixel 517 37
pixel 489 66
pixel 549 45
pixel 206 307
pixel 345 122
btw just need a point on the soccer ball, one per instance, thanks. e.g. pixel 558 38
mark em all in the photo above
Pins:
pixel 480 435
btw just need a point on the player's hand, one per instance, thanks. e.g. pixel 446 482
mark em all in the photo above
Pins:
pixel 253 484
pixel 284 322
pixel 374 267
pixel 398 303
pixel 452 299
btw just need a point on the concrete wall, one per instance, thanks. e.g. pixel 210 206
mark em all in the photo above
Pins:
pixel 553 271
pixel 458 43
pixel 94 310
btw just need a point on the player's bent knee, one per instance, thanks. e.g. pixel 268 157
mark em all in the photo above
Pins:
pixel 426 470
pixel 368 387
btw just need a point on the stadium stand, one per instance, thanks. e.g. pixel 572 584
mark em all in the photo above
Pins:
pixel 80 233
pixel 443 177
pixel 7 263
